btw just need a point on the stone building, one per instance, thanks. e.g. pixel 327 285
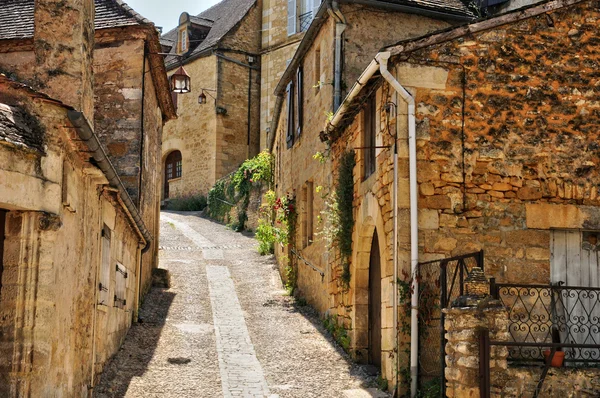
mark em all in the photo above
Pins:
pixel 503 156
pixel 132 99
pixel 311 88
pixel 79 203
pixel 219 49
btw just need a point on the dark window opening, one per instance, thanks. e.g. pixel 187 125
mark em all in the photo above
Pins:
pixel 173 165
pixel 2 228
pixel 299 101
pixel 369 127
pixel 290 115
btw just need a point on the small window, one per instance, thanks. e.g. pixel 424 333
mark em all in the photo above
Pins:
pixel 104 284
pixel 369 113
pixel 317 77
pixel 308 216
pixel 299 101
pixel 173 165
pixel 290 115
pixel 183 40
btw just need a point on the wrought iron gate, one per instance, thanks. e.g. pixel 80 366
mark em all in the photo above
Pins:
pixel 440 283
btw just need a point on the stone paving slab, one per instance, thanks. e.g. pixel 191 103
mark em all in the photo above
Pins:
pixel 225 328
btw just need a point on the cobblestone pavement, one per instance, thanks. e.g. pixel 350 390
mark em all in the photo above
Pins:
pixel 225 328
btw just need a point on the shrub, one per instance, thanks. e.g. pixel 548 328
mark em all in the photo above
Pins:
pixel 187 203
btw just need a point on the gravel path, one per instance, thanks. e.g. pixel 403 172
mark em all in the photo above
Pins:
pixel 225 328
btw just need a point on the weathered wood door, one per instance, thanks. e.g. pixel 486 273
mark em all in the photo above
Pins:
pixel 574 261
pixel 375 304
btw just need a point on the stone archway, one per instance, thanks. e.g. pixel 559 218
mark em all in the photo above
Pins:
pixel 369 221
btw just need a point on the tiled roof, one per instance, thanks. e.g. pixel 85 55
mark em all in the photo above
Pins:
pixel 224 16
pixel 449 6
pixel 20 129
pixel 16 17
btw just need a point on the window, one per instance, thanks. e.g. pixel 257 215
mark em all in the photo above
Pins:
pixel 104 284
pixel 183 40
pixel 299 101
pixel 317 77
pixel 173 165
pixel 120 286
pixel 369 114
pixel 290 115
pixel 301 14
pixel 308 208
pixel 2 227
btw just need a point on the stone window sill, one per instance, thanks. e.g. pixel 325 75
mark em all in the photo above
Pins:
pixel 174 179
pixel 102 307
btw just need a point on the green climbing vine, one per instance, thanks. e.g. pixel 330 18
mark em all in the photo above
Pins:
pixel 235 189
pixel 429 296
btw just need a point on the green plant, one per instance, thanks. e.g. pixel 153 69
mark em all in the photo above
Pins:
pixel 430 389
pixel 382 383
pixel 187 203
pixel 234 189
pixel 339 333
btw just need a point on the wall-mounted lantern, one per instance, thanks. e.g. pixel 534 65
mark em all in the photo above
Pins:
pixel 181 82
pixel 202 96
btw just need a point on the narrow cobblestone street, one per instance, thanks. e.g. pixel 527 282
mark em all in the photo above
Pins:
pixel 226 328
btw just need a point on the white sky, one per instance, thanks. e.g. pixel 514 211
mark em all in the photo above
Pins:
pixel 166 13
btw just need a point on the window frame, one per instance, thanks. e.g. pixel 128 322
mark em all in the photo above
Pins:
pixel 369 136
pixel 173 167
pixel 105 261
pixel 290 116
pixel 299 100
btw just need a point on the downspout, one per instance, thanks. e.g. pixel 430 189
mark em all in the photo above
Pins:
pixel 414 229
pixel 340 26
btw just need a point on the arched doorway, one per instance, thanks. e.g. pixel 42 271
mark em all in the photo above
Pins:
pixel 375 303
pixel 173 164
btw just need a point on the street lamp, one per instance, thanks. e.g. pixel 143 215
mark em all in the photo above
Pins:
pixel 202 96
pixel 180 81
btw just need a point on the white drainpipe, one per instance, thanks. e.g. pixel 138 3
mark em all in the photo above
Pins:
pixel 382 58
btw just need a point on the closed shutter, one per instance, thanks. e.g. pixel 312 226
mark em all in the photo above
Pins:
pixel 575 262
pixel 291 26
pixel 290 116
pixel 299 100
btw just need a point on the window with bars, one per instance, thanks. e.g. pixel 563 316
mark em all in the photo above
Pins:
pixel 300 14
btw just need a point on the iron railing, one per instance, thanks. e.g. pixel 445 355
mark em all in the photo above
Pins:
pixel 440 283
pixel 305 20
pixel 545 317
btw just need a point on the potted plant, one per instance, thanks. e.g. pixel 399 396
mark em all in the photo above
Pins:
pixel 559 355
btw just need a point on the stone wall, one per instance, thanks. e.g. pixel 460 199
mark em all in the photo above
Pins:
pixel 559 382
pixel 54 335
pixel 373 211
pixel 277 48
pixel 529 150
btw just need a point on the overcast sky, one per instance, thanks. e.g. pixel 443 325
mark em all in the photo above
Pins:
pixel 166 13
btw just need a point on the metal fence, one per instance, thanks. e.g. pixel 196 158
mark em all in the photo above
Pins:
pixel 305 20
pixel 440 283
pixel 542 317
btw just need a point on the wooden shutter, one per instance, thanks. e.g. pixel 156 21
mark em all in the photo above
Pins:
pixel 291 22
pixel 290 116
pixel 299 100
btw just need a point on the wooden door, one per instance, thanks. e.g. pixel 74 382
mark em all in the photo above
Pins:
pixel 2 227
pixel 575 262
pixel 375 304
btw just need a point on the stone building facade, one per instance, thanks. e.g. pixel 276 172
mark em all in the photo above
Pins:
pixel 79 204
pixel 219 49
pixel 506 127
pixel 131 97
pixel 297 172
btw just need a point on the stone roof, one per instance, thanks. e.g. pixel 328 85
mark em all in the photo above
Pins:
pixel 16 17
pixel 224 17
pixel 458 7
pixel 20 129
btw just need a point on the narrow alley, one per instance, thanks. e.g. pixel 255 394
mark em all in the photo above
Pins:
pixel 226 328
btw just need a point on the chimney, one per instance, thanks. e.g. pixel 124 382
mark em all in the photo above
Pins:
pixel 63 45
